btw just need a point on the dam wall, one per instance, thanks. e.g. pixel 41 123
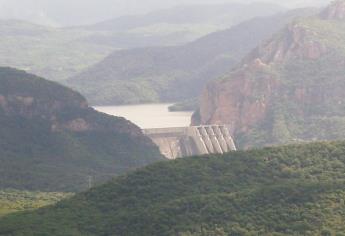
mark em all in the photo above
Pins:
pixel 192 141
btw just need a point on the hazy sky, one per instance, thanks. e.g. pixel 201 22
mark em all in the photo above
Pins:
pixel 67 12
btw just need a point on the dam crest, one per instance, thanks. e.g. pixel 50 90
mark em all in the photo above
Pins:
pixel 192 141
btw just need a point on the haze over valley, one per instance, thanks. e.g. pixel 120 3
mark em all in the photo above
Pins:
pixel 172 118
pixel 61 53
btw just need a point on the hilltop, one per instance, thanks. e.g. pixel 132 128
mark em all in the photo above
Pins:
pixel 172 74
pixel 290 88
pixel 290 190
pixel 51 140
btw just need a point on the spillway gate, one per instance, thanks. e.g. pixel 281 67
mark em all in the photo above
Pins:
pixel 192 141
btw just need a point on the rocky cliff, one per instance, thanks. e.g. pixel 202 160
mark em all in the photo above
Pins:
pixel 289 88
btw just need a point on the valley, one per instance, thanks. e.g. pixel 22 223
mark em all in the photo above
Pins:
pixel 208 119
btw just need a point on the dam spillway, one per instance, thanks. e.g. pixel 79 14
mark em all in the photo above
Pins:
pixel 192 141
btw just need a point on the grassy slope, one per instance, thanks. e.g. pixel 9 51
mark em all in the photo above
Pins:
pixel 291 190
pixel 17 201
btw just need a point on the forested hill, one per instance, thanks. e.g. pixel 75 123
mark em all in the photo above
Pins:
pixel 52 141
pixel 289 190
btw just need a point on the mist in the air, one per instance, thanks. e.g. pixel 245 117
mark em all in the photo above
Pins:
pixel 79 12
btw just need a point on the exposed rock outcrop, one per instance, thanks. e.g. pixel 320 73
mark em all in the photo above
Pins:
pixel 294 77
pixel 240 102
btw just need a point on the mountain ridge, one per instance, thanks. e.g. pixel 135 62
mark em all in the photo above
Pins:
pixel 60 53
pixel 282 91
pixel 174 73
pixel 184 12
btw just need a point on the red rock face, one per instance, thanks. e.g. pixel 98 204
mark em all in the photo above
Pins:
pixel 294 43
pixel 240 102
pixel 243 100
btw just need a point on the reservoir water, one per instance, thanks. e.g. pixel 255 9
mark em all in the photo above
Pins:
pixel 149 115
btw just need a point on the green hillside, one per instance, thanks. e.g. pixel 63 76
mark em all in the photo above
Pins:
pixel 53 53
pixel 52 141
pixel 14 200
pixel 289 190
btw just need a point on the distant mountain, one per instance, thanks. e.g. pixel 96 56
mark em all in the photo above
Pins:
pixel 60 53
pixel 174 73
pixel 53 53
pixel 293 190
pixel 289 88
pixel 176 25
pixel 80 12
pixel 52 141
pixel 219 15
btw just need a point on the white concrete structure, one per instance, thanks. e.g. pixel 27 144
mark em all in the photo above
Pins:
pixel 192 141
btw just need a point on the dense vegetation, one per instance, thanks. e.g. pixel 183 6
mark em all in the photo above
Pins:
pixel 52 141
pixel 172 74
pixel 13 200
pixel 289 190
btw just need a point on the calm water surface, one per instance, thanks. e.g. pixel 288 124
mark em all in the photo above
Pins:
pixel 149 115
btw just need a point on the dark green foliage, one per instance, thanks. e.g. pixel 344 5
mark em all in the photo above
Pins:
pixel 16 82
pixel 290 190
pixel 40 151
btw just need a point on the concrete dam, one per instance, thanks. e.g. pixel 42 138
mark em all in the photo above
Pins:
pixel 192 141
